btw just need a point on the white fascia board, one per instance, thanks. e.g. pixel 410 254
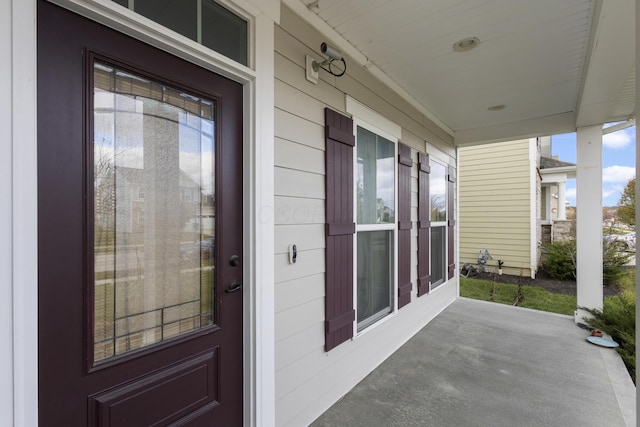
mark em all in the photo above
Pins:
pixel 522 129
pixel 613 43
pixel 558 174
pixel 333 37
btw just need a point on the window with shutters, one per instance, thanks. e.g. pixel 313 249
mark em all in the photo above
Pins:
pixel 375 249
pixel 368 210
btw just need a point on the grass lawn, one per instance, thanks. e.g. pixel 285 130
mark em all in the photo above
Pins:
pixel 503 293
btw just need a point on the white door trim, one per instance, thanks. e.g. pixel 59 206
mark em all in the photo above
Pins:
pixel 18 192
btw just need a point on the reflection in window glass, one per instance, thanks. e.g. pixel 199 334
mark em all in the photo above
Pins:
pixel 179 15
pixel 224 31
pixel 154 216
pixel 204 21
pixel 438 255
pixel 438 192
pixel 375 178
pixel 375 258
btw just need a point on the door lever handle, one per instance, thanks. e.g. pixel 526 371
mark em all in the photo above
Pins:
pixel 234 286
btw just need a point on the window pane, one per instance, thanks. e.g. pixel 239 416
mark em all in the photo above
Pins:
pixel 179 15
pixel 375 276
pixel 154 216
pixel 438 255
pixel 204 21
pixel 438 192
pixel 375 178
pixel 224 31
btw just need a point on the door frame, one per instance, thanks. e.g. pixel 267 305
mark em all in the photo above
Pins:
pixel 18 253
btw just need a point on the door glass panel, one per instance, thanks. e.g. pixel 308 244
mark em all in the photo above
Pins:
pixel 154 211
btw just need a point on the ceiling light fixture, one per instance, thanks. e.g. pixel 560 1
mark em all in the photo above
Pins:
pixel 497 107
pixel 466 44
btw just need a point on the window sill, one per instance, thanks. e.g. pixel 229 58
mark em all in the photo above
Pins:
pixel 386 318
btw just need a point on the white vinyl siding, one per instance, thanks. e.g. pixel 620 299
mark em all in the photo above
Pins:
pixel 308 379
pixel 495 204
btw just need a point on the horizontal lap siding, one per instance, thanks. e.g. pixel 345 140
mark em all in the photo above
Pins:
pixel 494 189
pixel 309 379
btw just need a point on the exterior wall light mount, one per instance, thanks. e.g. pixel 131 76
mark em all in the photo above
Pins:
pixel 313 67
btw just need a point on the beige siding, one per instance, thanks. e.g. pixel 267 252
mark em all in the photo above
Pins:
pixel 495 202
pixel 308 379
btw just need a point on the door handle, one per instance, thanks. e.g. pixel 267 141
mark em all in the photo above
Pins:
pixel 234 286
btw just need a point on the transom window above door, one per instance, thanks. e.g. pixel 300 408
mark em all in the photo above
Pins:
pixel 204 21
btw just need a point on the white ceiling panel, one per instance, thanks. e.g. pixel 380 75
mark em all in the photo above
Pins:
pixel 533 56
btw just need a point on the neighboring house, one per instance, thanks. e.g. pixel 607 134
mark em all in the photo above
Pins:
pixel 510 203
pixel 555 222
pixel 498 189
pixel 314 228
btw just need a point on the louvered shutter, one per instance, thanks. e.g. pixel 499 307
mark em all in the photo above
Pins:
pixel 404 225
pixel 424 222
pixel 339 312
pixel 451 223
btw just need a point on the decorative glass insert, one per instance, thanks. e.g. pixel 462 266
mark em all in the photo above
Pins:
pixel 153 211
pixel 375 179
pixel 204 21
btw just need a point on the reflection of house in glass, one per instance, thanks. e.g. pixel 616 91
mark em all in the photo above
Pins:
pixel 126 189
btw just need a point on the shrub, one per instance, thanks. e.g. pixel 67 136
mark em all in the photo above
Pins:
pixel 613 262
pixel 559 261
pixel 618 319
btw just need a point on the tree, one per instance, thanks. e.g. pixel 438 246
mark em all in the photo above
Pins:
pixel 627 204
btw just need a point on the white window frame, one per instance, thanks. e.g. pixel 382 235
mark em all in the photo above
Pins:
pixel 436 156
pixel 364 117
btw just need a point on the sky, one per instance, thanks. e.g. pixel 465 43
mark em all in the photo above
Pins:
pixel 618 162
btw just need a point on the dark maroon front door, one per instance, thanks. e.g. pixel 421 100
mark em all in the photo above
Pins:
pixel 140 232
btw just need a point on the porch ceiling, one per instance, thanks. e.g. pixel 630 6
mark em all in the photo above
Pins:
pixel 555 65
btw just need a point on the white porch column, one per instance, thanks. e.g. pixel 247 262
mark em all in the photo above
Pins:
pixel 589 219
pixel 562 206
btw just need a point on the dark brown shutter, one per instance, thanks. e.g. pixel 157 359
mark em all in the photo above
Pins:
pixel 451 223
pixel 404 225
pixel 424 222
pixel 339 312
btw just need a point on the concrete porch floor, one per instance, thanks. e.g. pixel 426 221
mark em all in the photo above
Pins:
pixel 486 364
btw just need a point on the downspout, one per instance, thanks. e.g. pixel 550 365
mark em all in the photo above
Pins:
pixel 533 206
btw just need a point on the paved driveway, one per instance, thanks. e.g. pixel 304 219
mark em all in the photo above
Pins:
pixel 486 364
